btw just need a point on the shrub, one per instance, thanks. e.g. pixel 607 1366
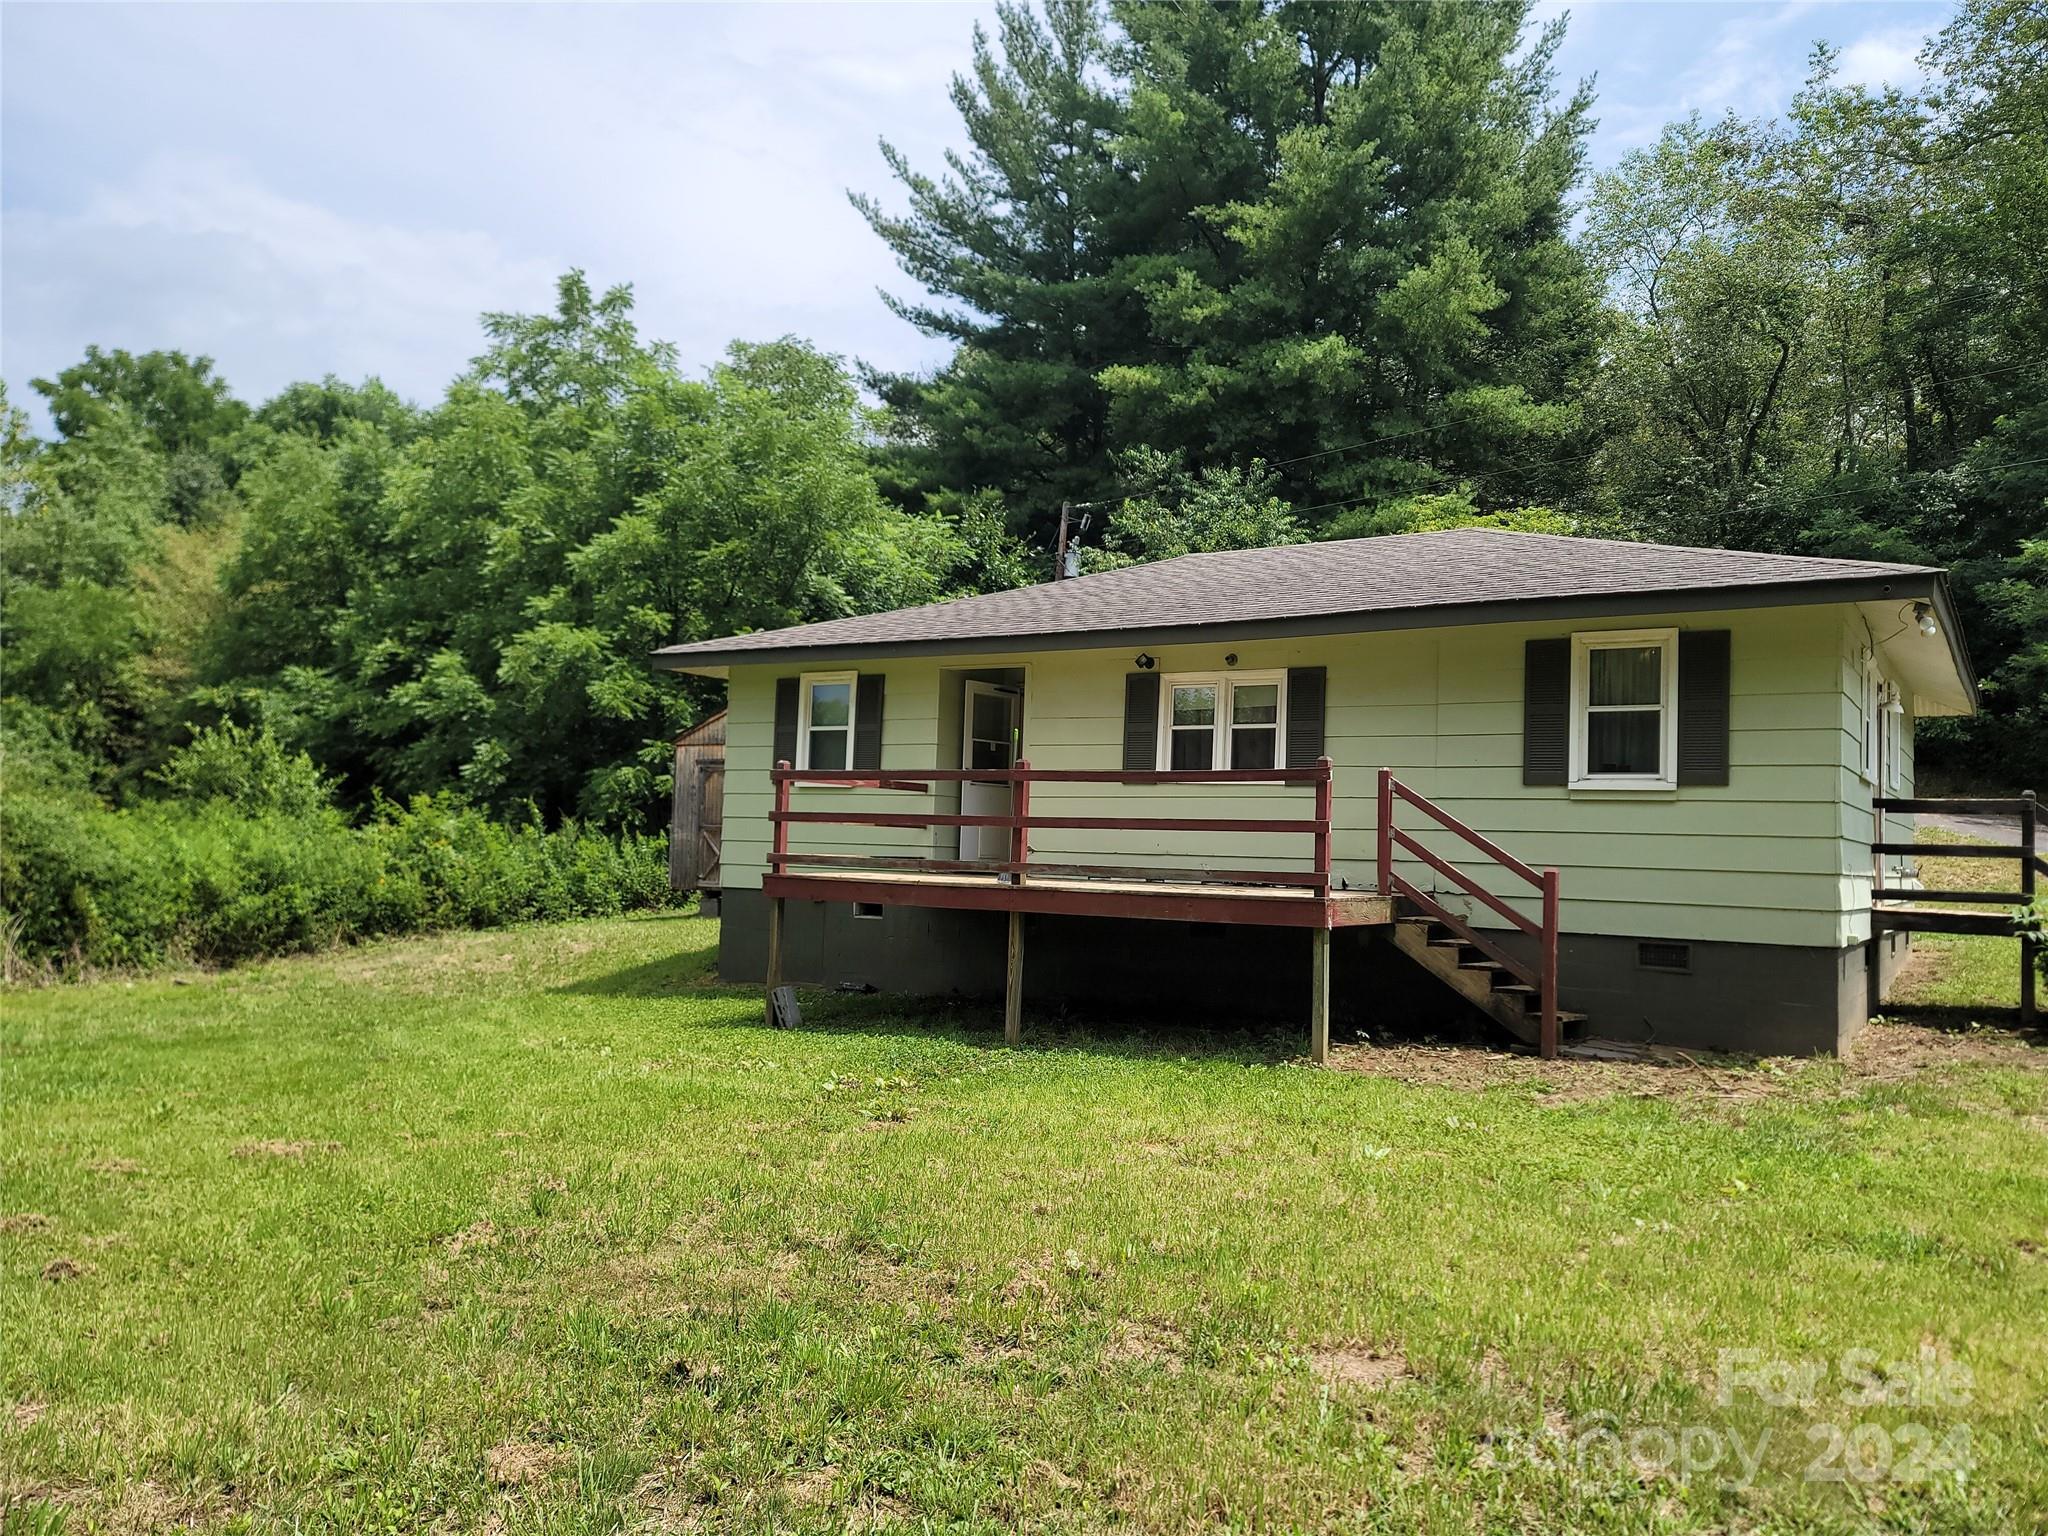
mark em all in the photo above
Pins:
pixel 247 768
pixel 2032 922
pixel 222 879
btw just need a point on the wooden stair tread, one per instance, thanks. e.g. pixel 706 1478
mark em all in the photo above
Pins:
pixel 1479 980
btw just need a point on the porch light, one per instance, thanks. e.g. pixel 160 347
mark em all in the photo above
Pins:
pixel 1923 615
pixel 1145 662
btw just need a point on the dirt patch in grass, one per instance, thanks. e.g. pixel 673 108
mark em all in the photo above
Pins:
pixel 1354 1365
pixel 1889 1050
pixel 26 1412
pixel 1886 1051
pixel 114 1166
pixel 57 1271
pixel 1138 1343
pixel 145 1508
pixel 518 1462
pixel 290 1149
pixel 23 1222
pixel 809 1489
pixel 478 1234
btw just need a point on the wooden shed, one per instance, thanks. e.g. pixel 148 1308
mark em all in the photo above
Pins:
pixel 697 820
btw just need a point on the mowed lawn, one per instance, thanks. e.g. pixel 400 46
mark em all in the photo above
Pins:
pixel 544 1231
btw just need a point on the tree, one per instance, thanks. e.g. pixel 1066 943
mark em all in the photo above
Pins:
pixel 1371 284
pixel 1290 232
pixel 1177 512
pixel 1023 238
pixel 1827 335
pixel 464 600
pixel 179 401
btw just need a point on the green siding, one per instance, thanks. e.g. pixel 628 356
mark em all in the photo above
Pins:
pixel 1769 858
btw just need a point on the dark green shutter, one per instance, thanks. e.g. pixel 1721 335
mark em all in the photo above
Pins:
pixel 867 721
pixel 1703 706
pixel 1306 687
pixel 1546 711
pixel 1141 721
pixel 785 721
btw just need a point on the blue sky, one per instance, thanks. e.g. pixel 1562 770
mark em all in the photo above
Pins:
pixel 308 189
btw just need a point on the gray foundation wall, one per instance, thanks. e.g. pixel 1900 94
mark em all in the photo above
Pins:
pixel 1781 1000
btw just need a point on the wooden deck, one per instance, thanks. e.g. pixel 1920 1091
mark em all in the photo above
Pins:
pixel 1312 899
pixel 1167 900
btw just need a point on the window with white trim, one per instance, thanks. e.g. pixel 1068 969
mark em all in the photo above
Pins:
pixel 1894 738
pixel 825 705
pixel 1873 709
pixel 1625 709
pixel 1237 720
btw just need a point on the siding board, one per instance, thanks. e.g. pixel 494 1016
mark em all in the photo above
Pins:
pixel 1771 857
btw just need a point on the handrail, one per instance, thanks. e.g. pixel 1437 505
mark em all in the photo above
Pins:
pixel 1542 976
pixel 1021 820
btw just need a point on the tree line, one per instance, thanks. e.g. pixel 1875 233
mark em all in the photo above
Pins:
pixel 1225 275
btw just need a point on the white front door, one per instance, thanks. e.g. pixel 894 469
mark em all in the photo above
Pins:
pixel 988 739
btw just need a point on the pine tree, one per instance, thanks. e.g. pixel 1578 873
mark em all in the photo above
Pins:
pixel 1257 231
pixel 1019 238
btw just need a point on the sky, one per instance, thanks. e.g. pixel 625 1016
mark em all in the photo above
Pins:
pixel 298 190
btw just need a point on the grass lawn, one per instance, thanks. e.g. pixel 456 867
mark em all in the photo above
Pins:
pixel 1958 980
pixel 544 1231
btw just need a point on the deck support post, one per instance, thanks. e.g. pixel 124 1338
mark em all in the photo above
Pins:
pixel 774 978
pixel 1013 984
pixel 1319 996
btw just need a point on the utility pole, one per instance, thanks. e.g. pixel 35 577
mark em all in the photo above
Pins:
pixel 1059 553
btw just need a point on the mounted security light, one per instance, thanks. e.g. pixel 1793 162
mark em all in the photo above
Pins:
pixel 1145 662
pixel 1923 615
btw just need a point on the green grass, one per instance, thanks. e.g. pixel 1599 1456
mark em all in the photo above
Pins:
pixel 544 1231
pixel 1962 979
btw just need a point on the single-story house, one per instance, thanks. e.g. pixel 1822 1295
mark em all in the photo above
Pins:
pixel 1622 788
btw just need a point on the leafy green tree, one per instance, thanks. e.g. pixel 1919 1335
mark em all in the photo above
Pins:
pixel 1828 335
pixel 179 401
pixel 465 600
pixel 325 411
pixel 1178 512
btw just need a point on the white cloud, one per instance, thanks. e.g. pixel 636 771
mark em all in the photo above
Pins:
pixel 198 255
pixel 1878 59
pixel 414 167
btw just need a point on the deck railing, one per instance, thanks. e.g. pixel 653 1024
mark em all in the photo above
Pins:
pixel 1021 821
pixel 1543 975
pixel 2026 811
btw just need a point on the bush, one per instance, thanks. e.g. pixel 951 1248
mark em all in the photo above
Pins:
pixel 2032 922
pixel 229 876
pixel 249 769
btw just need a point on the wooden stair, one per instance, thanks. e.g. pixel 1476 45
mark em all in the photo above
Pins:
pixel 1486 984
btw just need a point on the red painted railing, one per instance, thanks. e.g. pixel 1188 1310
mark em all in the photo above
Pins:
pixel 1543 975
pixel 1021 821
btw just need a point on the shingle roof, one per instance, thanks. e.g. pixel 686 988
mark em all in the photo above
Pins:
pixel 1457 568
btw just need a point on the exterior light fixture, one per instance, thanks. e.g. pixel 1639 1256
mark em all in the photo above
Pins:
pixel 1923 615
pixel 1145 662
pixel 1230 660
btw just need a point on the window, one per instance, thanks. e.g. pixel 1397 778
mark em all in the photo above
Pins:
pixel 1624 715
pixel 1873 712
pixel 1223 722
pixel 825 720
pixel 1894 738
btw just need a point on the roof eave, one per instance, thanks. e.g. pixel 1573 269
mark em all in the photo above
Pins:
pixel 1930 584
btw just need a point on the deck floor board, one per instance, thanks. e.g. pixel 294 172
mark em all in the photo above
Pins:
pixel 1187 901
